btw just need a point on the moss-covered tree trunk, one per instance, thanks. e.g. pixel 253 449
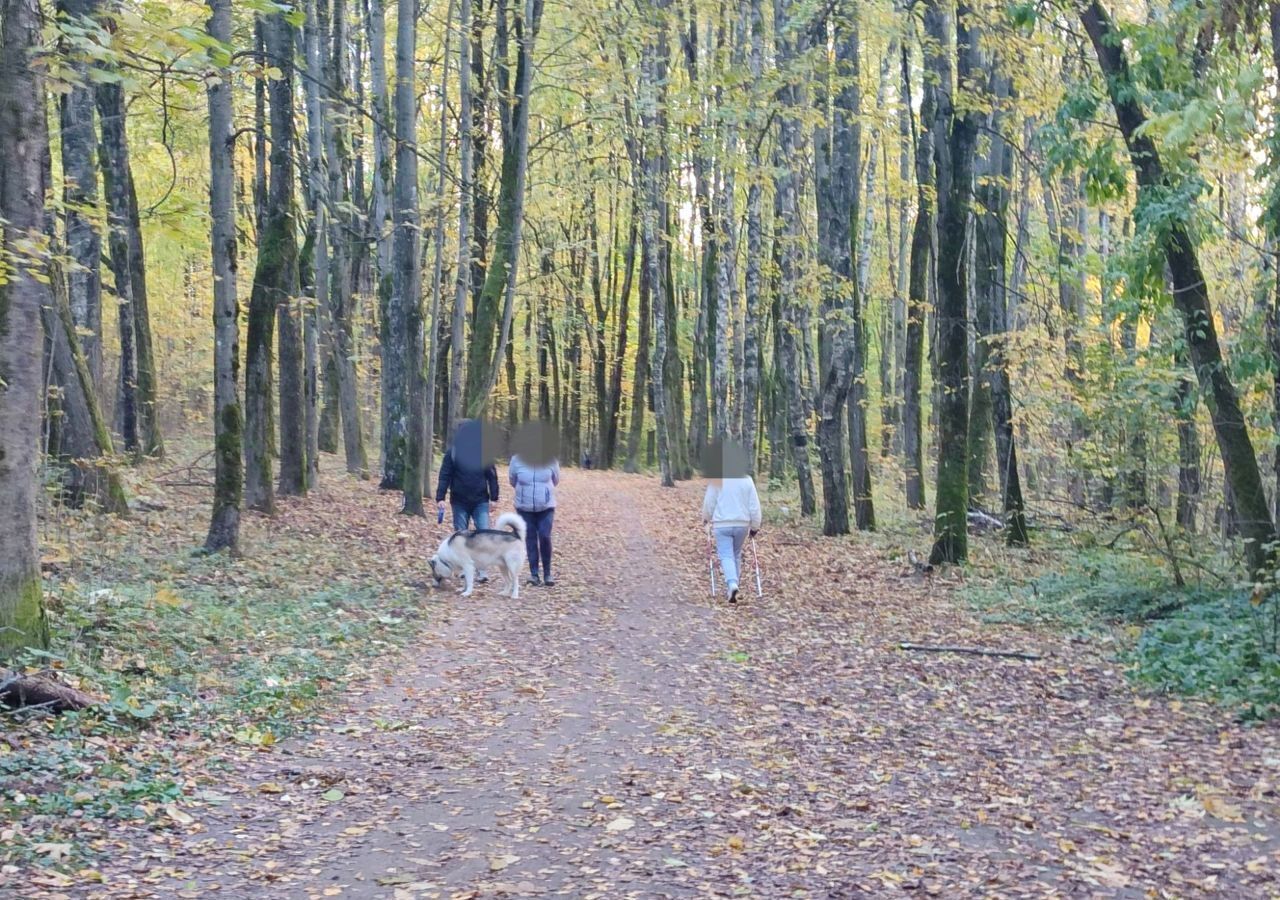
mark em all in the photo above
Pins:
pixel 955 140
pixel 24 142
pixel 491 323
pixel 281 226
pixel 1191 298
pixel 228 422
pixel 82 439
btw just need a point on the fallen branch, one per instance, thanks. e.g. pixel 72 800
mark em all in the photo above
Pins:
pixel 974 651
pixel 29 691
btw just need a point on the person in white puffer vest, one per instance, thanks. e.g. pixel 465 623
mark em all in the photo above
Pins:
pixel 731 507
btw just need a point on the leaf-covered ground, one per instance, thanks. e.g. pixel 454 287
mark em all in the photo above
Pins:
pixel 624 735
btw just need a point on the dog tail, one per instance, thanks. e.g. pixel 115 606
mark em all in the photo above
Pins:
pixel 514 521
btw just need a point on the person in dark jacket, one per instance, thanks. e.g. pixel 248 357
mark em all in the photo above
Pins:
pixel 468 478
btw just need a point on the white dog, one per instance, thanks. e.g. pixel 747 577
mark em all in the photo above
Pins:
pixel 463 552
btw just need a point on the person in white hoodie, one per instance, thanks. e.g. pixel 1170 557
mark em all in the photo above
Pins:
pixel 731 507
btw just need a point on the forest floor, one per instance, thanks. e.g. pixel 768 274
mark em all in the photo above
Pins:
pixel 623 734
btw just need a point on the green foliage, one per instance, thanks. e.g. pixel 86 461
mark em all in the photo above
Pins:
pixel 1202 640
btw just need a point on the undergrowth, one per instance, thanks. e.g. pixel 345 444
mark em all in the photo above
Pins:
pixel 198 658
pixel 1205 639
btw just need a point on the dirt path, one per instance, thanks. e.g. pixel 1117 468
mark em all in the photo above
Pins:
pixel 621 736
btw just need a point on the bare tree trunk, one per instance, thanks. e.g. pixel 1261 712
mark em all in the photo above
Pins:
pixel 753 14
pixel 653 72
pixel 228 423
pixel 792 44
pixel 917 292
pixel 406 285
pixel 462 288
pixel 24 142
pixel 839 152
pixel 80 193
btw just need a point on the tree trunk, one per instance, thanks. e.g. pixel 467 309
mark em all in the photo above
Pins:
pixel 282 241
pixel 653 73
pixel 228 422
pixel 1191 298
pixel 992 319
pixel 917 292
pixel 113 153
pixel 792 44
pixel 23 293
pixel 953 151
pixel 80 194
pixel 406 282
pixel 462 288
pixel 82 436
pixel 483 361
pixel 394 343
pixel 838 194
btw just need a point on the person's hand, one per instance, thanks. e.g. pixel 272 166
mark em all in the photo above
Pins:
pixel 493 508
pixel 440 505
pixel 755 531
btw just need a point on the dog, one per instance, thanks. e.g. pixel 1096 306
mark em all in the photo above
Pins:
pixel 463 552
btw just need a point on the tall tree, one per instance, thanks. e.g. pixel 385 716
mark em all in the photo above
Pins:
pixel 483 361
pixel 917 289
pixel 24 142
pixel 653 73
pixel 1190 293
pixel 80 192
pixel 839 152
pixel 992 308
pixel 228 420
pixel 792 43
pixel 462 286
pixel 753 14
pixel 955 140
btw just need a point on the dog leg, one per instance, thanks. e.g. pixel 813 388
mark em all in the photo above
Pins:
pixel 513 578
pixel 469 577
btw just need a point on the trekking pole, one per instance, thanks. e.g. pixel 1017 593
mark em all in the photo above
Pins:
pixel 711 564
pixel 755 558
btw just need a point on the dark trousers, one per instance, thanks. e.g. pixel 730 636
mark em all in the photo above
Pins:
pixel 537 538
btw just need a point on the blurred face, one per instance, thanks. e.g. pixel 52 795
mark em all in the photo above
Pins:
pixel 537 443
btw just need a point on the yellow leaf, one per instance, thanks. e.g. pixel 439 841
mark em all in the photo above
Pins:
pixel 498 863
pixel 270 787
pixel 736 843
pixel 1219 808
pixel 166 597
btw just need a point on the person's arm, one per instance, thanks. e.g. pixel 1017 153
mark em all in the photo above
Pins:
pixel 709 501
pixel 555 472
pixel 491 476
pixel 757 518
pixel 513 468
pixel 446 476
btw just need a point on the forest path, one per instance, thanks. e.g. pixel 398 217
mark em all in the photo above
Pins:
pixel 623 735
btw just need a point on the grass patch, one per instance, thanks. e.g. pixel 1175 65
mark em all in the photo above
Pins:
pixel 1201 640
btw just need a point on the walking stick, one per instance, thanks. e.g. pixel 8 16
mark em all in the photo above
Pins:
pixel 711 564
pixel 755 558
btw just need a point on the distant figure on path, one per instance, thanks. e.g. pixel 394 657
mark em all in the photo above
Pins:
pixel 731 507
pixel 535 473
